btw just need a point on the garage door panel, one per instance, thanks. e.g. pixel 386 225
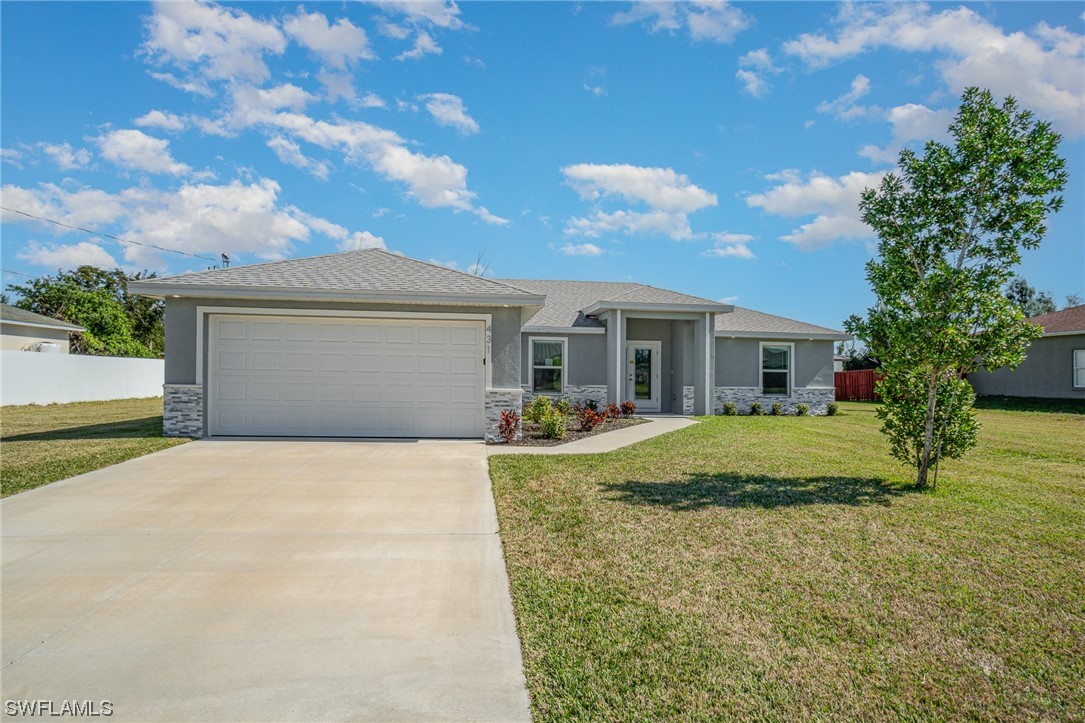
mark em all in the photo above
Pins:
pixel 345 377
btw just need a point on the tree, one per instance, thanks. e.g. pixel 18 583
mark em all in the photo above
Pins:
pixel 951 227
pixel 1072 300
pixel 116 322
pixel 1032 302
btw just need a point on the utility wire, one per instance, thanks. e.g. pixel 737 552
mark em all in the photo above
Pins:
pixel 18 273
pixel 106 235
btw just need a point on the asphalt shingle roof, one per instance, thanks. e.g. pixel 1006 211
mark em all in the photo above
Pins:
pixel 365 270
pixel 1067 320
pixel 15 315
pixel 748 321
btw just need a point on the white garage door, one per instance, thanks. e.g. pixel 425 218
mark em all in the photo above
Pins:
pixel 340 377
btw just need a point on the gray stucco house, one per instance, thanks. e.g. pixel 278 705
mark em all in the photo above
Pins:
pixel 1054 367
pixel 375 344
pixel 22 330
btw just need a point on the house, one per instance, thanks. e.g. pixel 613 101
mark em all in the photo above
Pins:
pixel 838 362
pixel 371 343
pixel 22 330
pixel 1054 367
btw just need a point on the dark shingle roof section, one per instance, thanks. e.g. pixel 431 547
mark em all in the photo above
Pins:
pixel 372 270
pixel 15 315
pixel 746 322
pixel 1066 321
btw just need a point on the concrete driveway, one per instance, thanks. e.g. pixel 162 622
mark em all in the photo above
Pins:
pixel 265 580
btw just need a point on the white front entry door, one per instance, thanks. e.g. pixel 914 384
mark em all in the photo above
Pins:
pixel 345 377
pixel 642 361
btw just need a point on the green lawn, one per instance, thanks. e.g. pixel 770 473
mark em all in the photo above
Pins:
pixel 785 568
pixel 43 444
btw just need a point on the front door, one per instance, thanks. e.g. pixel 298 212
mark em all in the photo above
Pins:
pixel 642 374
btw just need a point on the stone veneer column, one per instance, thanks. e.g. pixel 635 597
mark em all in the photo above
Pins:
pixel 687 400
pixel 497 401
pixel 182 410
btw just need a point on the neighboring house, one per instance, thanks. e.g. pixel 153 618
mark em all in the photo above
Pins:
pixel 371 343
pixel 838 362
pixel 1054 367
pixel 22 330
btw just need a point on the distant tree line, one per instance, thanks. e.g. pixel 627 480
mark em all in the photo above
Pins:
pixel 117 323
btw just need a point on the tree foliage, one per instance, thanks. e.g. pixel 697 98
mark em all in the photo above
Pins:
pixel 952 224
pixel 1031 301
pixel 117 323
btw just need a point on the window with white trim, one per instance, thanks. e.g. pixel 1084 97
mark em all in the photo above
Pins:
pixel 547 365
pixel 776 369
pixel 1079 368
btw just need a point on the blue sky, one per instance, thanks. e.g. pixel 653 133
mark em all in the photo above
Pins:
pixel 710 148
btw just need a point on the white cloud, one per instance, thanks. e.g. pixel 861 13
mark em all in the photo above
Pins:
pixel 833 201
pixel 754 67
pixel 910 122
pixel 473 61
pixel 337 85
pixel 338 45
pixel 65 157
pixel 670 197
pixel 438 13
pixel 290 153
pixel 585 249
pixel 251 104
pixel 207 40
pixel 845 107
pixel 424 44
pixel 361 240
pixel 735 251
pixel 660 188
pixel 713 20
pixel 13 156
pixel 58 256
pixel 448 110
pixel 732 238
pixel 728 299
pixel 372 100
pixel 196 86
pixel 1041 68
pixel 236 218
pixel 138 151
pixel 160 119
pixel 596 90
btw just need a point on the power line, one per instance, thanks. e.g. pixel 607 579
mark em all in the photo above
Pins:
pixel 18 273
pixel 109 236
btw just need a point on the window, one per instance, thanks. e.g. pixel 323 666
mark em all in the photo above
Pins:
pixel 776 369
pixel 1079 368
pixel 547 366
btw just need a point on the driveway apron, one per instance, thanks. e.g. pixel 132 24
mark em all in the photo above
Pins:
pixel 265 580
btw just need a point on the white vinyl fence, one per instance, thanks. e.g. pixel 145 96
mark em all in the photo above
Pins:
pixel 28 377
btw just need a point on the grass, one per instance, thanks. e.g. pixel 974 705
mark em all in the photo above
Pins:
pixel 786 568
pixel 43 444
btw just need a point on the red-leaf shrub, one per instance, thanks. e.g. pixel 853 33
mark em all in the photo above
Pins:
pixel 614 411
pixel 509 424
pixel 587 419
pixel 628 409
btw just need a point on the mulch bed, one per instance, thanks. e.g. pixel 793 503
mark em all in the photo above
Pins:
pixel 532 436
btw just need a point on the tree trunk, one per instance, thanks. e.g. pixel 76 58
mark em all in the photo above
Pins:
pixel 928 433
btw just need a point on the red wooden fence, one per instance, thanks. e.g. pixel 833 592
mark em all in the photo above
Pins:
pixel 857 386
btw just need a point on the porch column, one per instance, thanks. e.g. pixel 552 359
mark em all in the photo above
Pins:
pixel 615 356
pixel 704 364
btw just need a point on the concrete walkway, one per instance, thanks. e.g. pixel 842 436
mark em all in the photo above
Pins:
pixel 265 580
pixel 607 441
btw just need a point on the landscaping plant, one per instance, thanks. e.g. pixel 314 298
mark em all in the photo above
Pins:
pixel 832 409
pixel 509 424
pixel 614 411
pixel 563 406
pixel 589 419
pixel 756 410
pixel 802 409
pixel 777 409
pixel 552 425
pixel 539 408
pixel 628 409
pixel 730 409
pixel 951 226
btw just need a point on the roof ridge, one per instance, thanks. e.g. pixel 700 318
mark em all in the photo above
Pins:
pixel 262 263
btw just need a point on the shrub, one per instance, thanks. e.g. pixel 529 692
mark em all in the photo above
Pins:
pixel 509 424
pixel 756 409
pixel 592 405
pixel 563 407
pixel 614 411
pixel 539 408
pixel 552 425
pixel 832 408
pixel 777 409
pixel 730 409
pixel 589 419
pixel 802 409
pixel 628 409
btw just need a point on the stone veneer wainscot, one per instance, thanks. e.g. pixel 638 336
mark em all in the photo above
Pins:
pixel 818 399
pixel 575 393
pixel 182 410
